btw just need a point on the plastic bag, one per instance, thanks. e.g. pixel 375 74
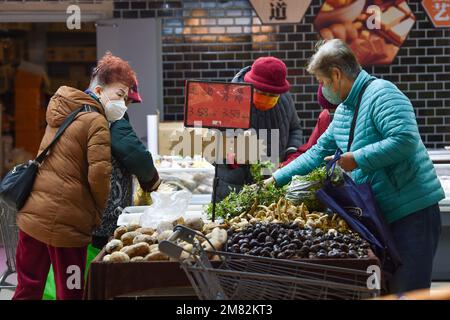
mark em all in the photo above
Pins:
pixel 165 207
pixel 302 189
pixel 140 197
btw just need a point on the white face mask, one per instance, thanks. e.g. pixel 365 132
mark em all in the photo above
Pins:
pixel 115 109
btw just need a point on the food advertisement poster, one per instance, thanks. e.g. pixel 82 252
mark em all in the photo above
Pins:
pixel 218 105
pixel 374 29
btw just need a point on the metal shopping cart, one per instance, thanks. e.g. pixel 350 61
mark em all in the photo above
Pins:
pixel 246 277
pixel 9 232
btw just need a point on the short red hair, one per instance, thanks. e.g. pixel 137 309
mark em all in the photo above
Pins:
pixel 111 69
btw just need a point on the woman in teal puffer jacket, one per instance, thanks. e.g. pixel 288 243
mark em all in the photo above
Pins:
pixel 387 152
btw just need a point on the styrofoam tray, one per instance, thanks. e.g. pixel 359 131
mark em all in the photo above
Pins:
pixel 132 215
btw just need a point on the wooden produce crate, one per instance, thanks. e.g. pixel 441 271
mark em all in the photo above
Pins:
pixel 157 279
pixel 114 280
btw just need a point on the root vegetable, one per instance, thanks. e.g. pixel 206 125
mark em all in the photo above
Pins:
pixel 144 238
pixel 195 223
pixel 187 253
pixel 137 259
pixel 156 256
pixel 113 245
pixel 127 238
pixel 140 249
pixel 218 238
pixel 118 256
pixel 147 231
pixel 179 221
pixel 119 232
pixel 164 235
pixel 133 227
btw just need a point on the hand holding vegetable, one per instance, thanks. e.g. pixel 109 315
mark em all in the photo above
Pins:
pixel 265 183
pixel 346 162
pixel 269 181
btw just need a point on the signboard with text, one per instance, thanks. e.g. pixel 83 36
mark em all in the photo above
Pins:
pixel 280 11
pixel 220 105
pixel 438 11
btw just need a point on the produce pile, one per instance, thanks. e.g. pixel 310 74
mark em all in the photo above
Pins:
pixel 247 200
pixel 289 241
pixel 302 189
pixel 133 243
pixel 286 231
pixel 285 212
pixel 281 223
pixel 277 223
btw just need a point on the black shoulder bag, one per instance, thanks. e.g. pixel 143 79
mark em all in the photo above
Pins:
pixel 16 186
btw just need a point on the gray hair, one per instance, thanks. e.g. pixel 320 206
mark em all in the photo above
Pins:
pixel 333 53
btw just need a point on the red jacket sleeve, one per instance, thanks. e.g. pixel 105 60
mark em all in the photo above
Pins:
pixel 321 126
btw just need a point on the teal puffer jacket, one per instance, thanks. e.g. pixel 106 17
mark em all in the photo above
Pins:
pixel 387 148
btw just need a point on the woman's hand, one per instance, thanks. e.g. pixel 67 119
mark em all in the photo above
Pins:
pixel 265 183
pixel 346 162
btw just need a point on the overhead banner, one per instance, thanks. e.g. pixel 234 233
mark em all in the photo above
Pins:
pixel 438 11
pixel 374 29
pixel 218 105
pixel 280 11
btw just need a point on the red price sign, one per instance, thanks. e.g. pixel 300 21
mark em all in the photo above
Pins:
pixel 218 104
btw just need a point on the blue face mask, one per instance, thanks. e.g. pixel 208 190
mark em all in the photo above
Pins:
pixel 330 95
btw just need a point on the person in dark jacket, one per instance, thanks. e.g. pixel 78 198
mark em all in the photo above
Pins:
pixel 129 157
pixel 322 124
pixel 272 108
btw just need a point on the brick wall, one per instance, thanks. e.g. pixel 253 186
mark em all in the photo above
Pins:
pixel 214 39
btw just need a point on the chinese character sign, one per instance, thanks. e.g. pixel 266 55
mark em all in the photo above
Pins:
pixel 374 29
pixel 280 11
pixel 218 105
pixel 438 11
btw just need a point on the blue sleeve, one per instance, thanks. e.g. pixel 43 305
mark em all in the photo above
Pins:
pixel 311 159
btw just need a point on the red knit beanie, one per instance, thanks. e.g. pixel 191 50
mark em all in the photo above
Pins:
pixel 268 74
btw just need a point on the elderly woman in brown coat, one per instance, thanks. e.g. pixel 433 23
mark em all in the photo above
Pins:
pixel 70 191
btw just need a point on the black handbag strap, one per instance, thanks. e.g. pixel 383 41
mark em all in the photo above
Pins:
pixel 70 118
pixel 355 114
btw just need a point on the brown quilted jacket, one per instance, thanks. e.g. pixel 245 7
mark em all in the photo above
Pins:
pixel 70 191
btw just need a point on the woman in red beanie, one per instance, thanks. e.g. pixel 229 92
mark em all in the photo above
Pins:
pixel 321 126
pixel 273 109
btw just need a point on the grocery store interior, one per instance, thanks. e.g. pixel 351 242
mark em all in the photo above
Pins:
pixel 170 41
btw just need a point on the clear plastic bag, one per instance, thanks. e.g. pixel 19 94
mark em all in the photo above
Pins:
pixel 301 191
pixel 166 206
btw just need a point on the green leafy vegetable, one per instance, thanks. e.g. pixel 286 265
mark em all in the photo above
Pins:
pixel 303 188
pixel 250 196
